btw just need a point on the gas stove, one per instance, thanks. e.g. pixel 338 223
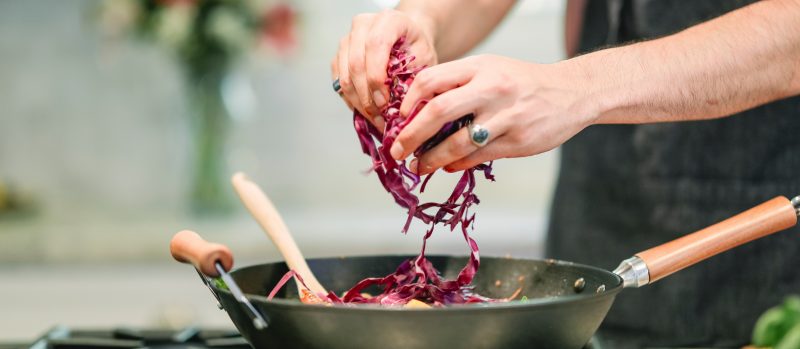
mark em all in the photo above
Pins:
pixel 62 337
pixel 124 338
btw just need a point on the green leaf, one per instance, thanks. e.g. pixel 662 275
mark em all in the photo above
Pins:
pixel 770 327
pixel 791 340
pixel 220 284
pixel 792 305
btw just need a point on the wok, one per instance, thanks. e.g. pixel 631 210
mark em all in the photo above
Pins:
pixel 566 302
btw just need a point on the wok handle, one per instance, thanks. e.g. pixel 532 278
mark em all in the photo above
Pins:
pixel 767 218
pixel 188 247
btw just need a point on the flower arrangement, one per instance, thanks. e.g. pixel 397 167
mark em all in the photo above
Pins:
pixel 206 37
pixel 196 29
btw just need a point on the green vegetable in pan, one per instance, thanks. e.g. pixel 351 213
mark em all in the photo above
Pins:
pixel 220 284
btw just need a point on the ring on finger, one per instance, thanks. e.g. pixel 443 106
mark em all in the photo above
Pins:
pixel 337 86
pixel 478 134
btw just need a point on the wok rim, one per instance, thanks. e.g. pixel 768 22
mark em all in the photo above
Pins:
pixel 504 306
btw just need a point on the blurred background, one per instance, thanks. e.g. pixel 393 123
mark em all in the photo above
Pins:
pixel 121 124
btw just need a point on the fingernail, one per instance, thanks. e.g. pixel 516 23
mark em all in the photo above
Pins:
pixel 449 170
pixel 425 170
pixel 413 165
pixel 373 111
pixel 379 123
pixel 397 150
pixel 377 97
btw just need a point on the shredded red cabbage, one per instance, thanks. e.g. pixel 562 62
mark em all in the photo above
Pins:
pixel 415 278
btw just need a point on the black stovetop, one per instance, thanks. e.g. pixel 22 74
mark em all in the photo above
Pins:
pixel 189 338
pixel 124 338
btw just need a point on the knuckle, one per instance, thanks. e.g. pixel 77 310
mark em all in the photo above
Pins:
pixel 375 82
pixel 503 87
pixel 362 19
pixel 345 82
pixel 355 63
pixel 358 19
pixel 441 158
pixel 434 107
pixel 423 80
pixel 375 39
pixel 365 99
pixel 461 144
pixel 517 137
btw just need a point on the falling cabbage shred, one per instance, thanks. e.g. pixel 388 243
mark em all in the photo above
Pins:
pixel 415 278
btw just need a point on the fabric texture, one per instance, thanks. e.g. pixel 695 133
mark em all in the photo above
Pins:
pixel 625 188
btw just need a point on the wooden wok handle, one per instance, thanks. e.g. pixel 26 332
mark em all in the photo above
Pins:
pixel 188 247
pixel 770 217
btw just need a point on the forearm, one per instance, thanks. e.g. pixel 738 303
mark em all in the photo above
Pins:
pixel 457 26
pixel 735 62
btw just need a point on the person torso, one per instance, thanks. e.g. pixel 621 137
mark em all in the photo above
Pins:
pixel 625 188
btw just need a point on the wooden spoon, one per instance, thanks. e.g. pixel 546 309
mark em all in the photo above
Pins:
pixel 262 209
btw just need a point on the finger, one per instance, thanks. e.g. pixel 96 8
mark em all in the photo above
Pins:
pixel 335 76
pixel 386 30
pixel 459 145
pixel 335 65
pixel 348 93
pixel 501 147
pixel 436 80
pixel 362 25
pixel 445 107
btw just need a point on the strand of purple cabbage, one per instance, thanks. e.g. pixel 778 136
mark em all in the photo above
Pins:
pixel 415 278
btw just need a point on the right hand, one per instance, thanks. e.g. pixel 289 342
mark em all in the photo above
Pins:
pixel 360 64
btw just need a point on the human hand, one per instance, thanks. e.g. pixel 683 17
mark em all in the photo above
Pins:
pixel 527 109
pixel 360 64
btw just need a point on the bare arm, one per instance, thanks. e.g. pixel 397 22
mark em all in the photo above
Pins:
pixel 738 61
pixel 458 26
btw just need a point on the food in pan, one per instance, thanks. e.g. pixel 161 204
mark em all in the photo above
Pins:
pixel 415 280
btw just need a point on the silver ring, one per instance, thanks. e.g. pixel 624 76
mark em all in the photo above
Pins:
pixel 478 134
pixel 337 86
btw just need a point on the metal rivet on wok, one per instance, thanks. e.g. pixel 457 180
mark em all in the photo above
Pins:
pixel 579 285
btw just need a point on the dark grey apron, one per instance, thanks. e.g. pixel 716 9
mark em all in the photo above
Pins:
pixel 625 188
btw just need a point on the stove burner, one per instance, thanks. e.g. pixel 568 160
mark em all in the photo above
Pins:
pixel 126 338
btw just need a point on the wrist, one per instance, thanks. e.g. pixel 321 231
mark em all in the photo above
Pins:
pixel 588 102
pixel 603 92
pixel 427 24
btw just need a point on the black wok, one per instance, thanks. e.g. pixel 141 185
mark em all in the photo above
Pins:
pixel 566 302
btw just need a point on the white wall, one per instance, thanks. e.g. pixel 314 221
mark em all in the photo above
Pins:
pixel 96 132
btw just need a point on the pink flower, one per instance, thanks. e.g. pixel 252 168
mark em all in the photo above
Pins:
pixel 278 28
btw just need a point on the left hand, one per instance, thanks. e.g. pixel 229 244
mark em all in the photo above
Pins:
pixel 528 109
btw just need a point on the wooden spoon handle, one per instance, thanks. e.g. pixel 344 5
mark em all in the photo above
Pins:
pixel 268 217
pixel 770 217
pixel 188 247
